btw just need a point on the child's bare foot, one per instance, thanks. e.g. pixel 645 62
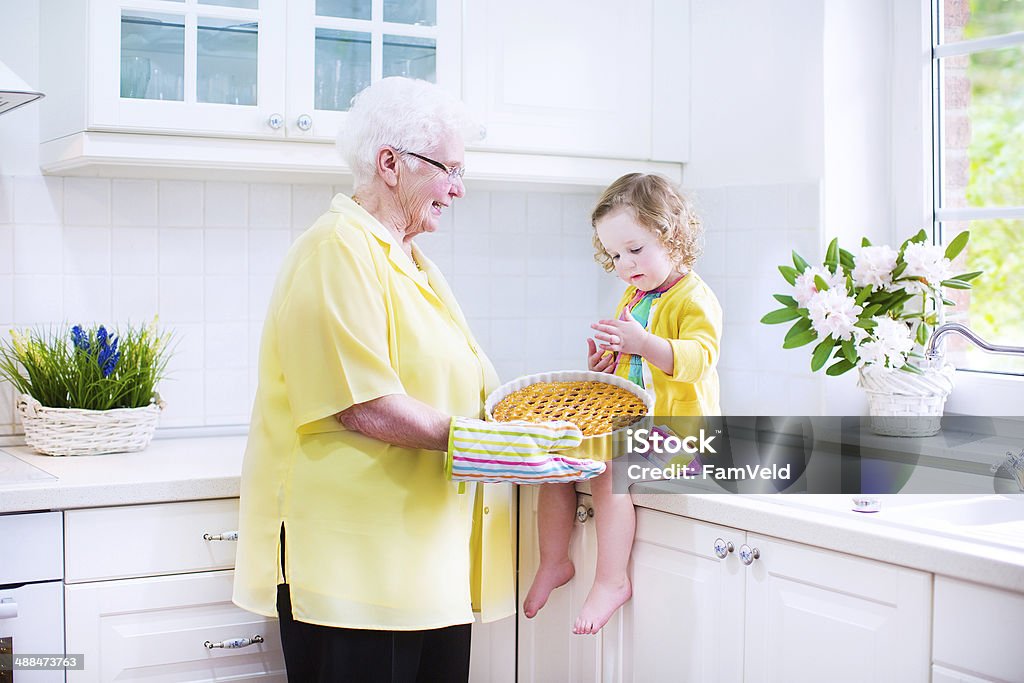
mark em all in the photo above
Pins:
pixel 546 580
pixel 601 603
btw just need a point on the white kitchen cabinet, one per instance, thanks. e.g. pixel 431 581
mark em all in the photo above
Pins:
pixel 812 612
pixel 259 88
pixel 977 633
pixel 596 78
pixel 685 619
pixel 548 649
pixel 257 68
pixel 795 613
pixel 156 629
pixel 171 565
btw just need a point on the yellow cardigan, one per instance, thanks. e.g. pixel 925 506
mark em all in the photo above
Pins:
pixel 376 536
pixel 689 316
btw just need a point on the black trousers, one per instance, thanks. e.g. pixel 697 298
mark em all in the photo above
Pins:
pixel 325 654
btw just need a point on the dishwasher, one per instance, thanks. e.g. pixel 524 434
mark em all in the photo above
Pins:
pixel 32 595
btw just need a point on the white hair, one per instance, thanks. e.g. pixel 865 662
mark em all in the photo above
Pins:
pixel 407 114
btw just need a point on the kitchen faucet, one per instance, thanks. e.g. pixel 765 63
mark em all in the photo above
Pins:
pixel 932 351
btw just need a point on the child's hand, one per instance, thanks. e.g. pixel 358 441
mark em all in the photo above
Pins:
pixel 598 360
pixel 624 335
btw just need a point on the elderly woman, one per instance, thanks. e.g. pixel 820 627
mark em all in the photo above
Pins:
pixel 371 387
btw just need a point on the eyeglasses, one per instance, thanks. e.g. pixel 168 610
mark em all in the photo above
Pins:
pixel 452 172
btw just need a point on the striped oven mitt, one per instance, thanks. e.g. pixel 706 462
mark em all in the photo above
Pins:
pixel 519 452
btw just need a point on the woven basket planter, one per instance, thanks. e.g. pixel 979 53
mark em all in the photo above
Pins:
pixel 72 431
pixel 905 404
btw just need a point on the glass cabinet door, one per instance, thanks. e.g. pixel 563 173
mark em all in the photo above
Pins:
pixel 207 66
pixel 338 47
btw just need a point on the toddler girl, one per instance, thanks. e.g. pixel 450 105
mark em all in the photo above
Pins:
pixel 665 338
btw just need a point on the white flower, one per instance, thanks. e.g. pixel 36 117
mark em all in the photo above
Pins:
pixel 890 341
pixel 833 313
pixel 926 261
pixel 804 287
pixel 873 267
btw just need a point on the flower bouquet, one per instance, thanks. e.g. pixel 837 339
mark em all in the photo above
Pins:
pixel 86 391
pixel 874 311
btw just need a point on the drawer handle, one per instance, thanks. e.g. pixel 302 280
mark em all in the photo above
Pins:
pixel 8 608
pixel 234 643
pixel 223 536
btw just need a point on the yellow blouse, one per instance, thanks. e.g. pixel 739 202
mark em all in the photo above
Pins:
pixel 689 317
pixel 376 537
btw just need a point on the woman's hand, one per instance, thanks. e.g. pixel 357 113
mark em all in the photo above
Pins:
pixel 624 335
pixel 598 360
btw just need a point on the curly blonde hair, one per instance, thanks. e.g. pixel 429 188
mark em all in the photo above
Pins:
pixel 658 206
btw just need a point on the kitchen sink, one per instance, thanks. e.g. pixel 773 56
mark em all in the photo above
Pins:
pixel 987 510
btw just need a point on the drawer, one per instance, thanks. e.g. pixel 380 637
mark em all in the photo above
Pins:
pixel 31 546
pixel 155 629
pixel 148 540
pixel 978 629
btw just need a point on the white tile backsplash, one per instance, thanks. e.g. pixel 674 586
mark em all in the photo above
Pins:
pixel 226 205
pixel 134 251
pixel 180 203
pixel 86 201
pixel 270 206
pixel 38 199
pixel 86 250
pixel 6 248
pixel 134 203
pixel 204 256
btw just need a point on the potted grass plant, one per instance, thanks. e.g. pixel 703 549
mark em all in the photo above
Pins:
pixel 87 390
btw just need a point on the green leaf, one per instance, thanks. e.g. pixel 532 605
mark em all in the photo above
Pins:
pixel 863 295
pixel 956 284
pixel 799 340
pixel 920 237
pixel 922 334
pixel 967 277
pixel 780 315
pixel 898 270
pixel 820 283
pixel 865 242
pixel 846 259
pixel 866 324
pixel 832 255
pixel 800 263
pixel 821 353
pixel 849 351
pixel 948 302
pixel 957 245
pixel 839 368
pixel 785 300
pixel 789 273
pixel 913 369
pixel 799 327
pixel 871 311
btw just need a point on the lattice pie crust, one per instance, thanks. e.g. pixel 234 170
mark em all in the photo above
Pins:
pixel 591 406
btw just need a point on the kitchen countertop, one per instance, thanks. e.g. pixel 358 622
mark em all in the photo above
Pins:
pixel 180 469
pixel 169 469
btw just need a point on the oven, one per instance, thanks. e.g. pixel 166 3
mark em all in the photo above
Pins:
pixel 31 593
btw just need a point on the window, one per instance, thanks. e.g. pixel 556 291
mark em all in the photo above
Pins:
pixel 978 110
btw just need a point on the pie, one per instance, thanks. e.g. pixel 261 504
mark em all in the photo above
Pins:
pixel 594 407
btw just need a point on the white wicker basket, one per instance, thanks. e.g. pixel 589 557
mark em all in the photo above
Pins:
pixel 72 431
pixel 906 404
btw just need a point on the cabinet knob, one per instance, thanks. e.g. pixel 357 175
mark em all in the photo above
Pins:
pixel 583 513
pixel 223 536
pixel 304 122
pixel 723 548
pixel 748 554
pixel 275 121
pixel 234 643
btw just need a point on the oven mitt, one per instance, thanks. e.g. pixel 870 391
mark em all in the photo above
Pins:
pixel 519 452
